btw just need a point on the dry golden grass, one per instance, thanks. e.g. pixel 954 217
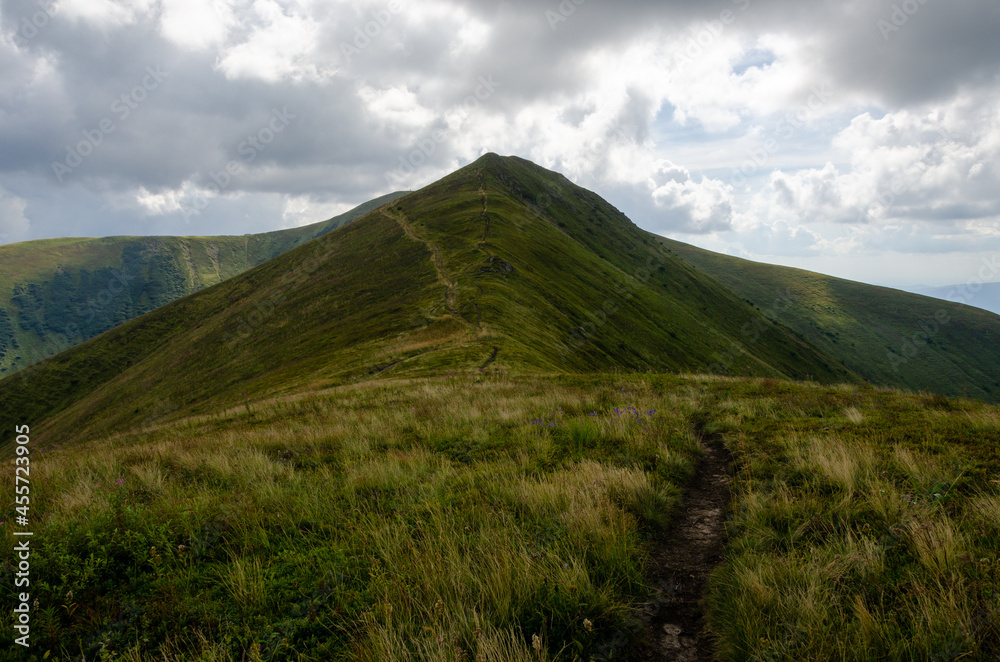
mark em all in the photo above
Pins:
pixel 860 542
pixel 443 516
pixel 854 415
pixel 444 519
pixel 937 543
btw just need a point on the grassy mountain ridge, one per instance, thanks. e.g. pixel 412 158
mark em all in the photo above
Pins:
pixel 501 261
pixel 55 293
pixel 593 284
pixel 889 336
pixel 223 341
pixel 411 439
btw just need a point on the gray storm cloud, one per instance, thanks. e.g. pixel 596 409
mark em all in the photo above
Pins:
pixel 115 116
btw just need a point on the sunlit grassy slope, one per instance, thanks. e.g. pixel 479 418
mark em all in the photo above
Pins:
pixel 55 293
pixel 488 516
pixel 885 335
pixel 865 525
pixel 502 258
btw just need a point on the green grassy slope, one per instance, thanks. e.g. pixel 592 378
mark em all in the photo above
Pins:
pixel 502 260
pixel 502 518
pixel 586 288
pixel 888 336
pixel 863 526
pixel 55 293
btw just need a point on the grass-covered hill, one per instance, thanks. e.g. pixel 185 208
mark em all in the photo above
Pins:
pixel 416 437
pixel 55 293
pixel 502 259
pixel 499 518
pixel 885 335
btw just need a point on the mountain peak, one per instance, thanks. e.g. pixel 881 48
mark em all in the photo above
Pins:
pixel 502 262
pixel 488 158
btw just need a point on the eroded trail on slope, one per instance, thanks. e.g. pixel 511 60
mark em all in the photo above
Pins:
pixel 679 568
pixel 436 258
pixel 484 215
pixel 486 233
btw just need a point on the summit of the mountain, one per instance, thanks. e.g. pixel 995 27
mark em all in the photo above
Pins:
pixel 501 263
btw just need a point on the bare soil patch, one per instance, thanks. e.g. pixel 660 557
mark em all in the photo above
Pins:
pixel 679 568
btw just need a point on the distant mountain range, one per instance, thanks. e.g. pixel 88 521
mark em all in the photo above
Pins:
pixel 888 336
pixel 502 263
pixel 980 295
pixel 56 293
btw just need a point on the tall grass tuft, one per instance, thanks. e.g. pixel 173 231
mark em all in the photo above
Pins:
pixel 859 542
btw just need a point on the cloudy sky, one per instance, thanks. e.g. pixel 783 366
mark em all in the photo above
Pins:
pixel 853 137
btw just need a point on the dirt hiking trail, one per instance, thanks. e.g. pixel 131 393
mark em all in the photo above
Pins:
pixel 679 567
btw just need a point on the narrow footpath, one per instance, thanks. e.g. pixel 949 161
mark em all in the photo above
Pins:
pixel 436 258
pixel 680 567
